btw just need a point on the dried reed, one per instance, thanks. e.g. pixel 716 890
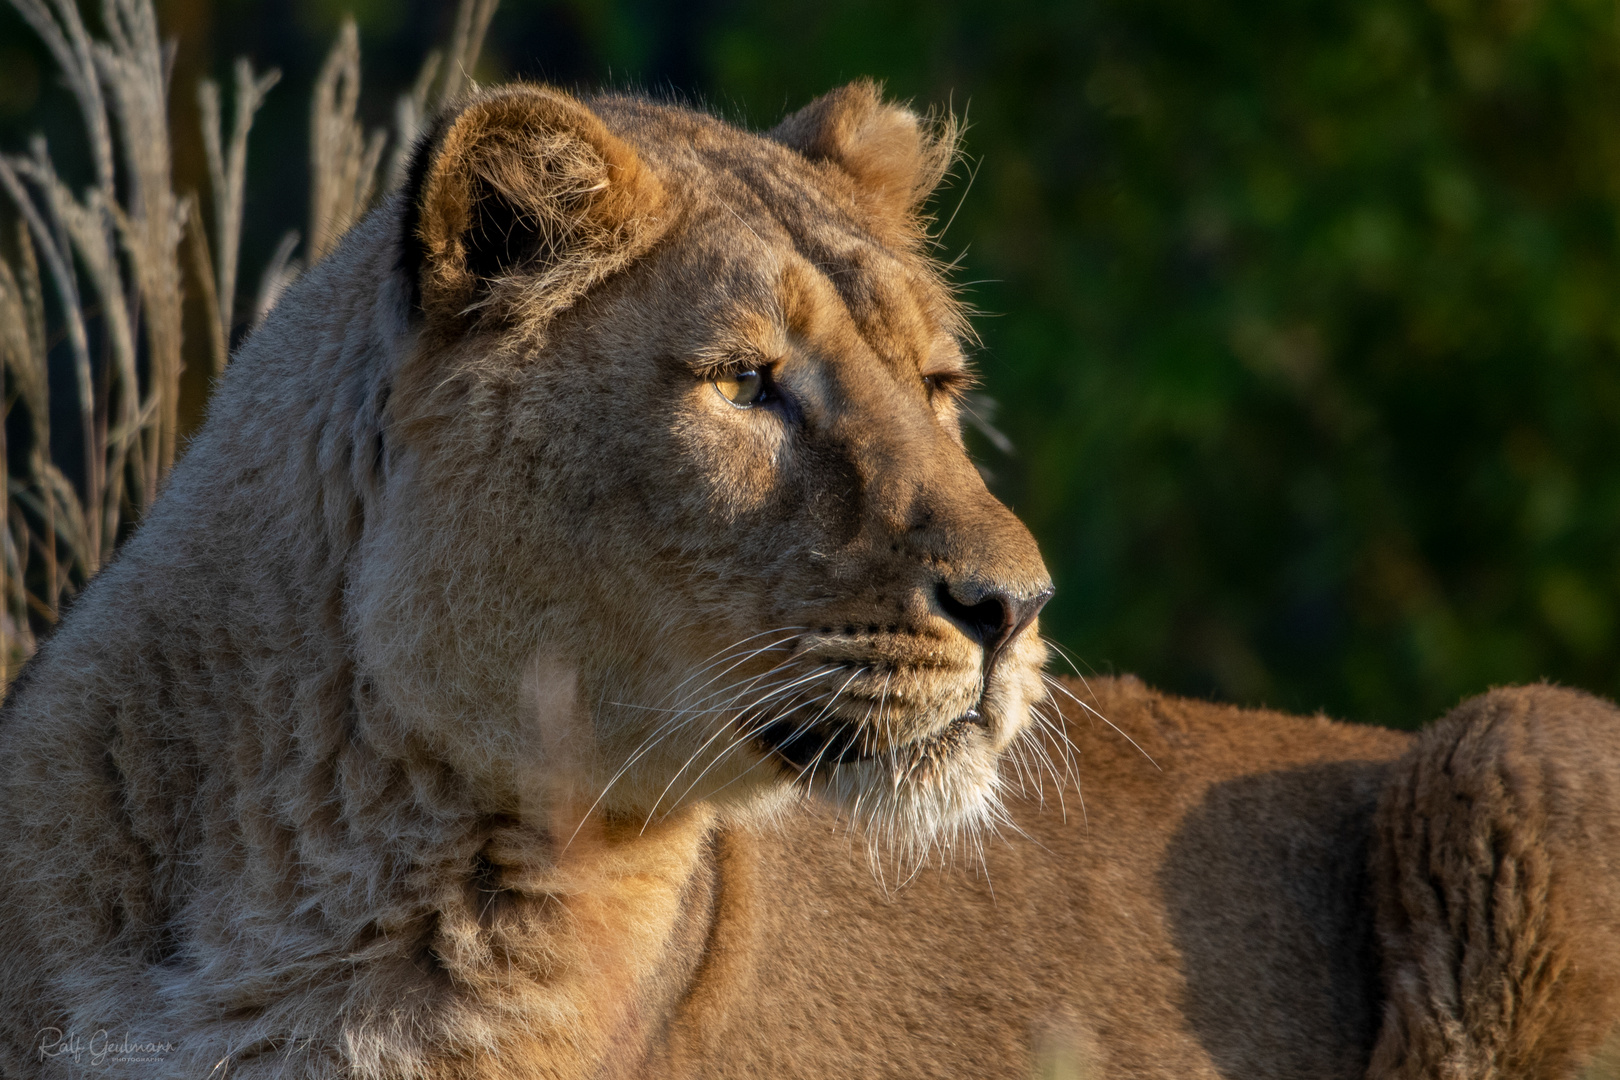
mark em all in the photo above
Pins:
pixel 112 258
pixel 227 176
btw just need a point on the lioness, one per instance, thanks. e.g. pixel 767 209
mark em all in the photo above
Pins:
pixel 578 645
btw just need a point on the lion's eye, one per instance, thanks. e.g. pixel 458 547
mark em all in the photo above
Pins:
pixel 744 389
pixel 951 384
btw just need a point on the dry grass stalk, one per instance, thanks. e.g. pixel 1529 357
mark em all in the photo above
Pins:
pixel 472 22
pixel 151 221
pixel 112 259
pixel 227 175
pixel 343 159
pixel 431 91
pixel 58 262
pixel 410 115
pixel 86 227
pixel 23 380
pixel 112 256
pixel 278 273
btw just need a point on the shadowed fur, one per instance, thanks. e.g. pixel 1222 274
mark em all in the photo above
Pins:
pixel 580 586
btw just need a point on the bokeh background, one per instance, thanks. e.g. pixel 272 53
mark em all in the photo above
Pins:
pixel 1303 317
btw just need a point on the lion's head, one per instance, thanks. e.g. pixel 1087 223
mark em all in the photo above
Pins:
pixel 676 505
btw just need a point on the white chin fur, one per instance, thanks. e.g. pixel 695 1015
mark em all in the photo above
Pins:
pixel 906 814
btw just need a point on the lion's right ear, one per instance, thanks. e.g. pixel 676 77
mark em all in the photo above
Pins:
pixel 517 204
pixel 896 156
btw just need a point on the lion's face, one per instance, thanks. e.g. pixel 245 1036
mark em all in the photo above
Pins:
pixel 720 489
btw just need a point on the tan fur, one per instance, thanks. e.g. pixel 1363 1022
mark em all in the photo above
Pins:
pixel 487 696
pixel 1496 886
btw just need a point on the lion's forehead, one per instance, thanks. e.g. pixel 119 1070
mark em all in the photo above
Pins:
pixel 772 239
pixel 752 278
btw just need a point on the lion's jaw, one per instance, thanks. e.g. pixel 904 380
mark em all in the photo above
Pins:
pixel 812 591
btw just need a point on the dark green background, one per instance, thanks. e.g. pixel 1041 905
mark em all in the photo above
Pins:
pixel 1303 316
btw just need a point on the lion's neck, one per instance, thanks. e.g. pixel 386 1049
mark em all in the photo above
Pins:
pixel 518 906
pixel 358 857
pixel 592 937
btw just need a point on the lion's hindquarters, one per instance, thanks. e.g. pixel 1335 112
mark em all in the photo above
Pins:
pixel 1496 879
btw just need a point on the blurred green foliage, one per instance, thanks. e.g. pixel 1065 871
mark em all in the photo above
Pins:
pixel 1304 317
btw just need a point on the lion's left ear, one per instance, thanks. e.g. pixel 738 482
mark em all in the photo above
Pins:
pixel 887 148
pixel 518 204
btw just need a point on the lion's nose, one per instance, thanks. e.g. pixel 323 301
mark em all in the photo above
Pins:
pixel 991 616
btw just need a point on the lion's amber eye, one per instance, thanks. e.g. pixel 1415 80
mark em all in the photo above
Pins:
pixel 744 389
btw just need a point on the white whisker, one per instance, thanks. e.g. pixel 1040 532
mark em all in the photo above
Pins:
pixel 775 692
pixel 1066 692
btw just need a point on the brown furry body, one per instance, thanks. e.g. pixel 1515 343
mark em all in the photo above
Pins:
pixel 1212 917
pixel 387 747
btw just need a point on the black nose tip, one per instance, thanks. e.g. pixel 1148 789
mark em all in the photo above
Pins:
pixel 990 616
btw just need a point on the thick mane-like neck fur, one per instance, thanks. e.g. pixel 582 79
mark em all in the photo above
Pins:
pixel 291 851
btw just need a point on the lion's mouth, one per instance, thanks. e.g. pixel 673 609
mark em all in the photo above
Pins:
pixel 807 748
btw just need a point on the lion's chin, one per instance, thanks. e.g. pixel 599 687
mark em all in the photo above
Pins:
pixel 935 794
